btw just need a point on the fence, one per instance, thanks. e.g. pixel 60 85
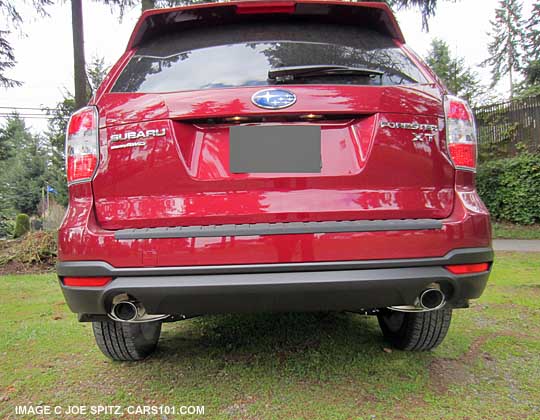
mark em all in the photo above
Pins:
pixel 507 128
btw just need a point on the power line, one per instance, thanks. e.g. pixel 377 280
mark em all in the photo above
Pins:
pixel 28 108
pixel 35 116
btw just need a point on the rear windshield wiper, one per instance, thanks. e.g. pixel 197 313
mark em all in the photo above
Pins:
pixel 284 74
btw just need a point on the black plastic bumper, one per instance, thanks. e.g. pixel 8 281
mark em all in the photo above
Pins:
pixel 343 285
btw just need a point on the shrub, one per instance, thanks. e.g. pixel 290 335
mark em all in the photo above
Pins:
pixel 22 225
pixel 510 188
pixel 34 248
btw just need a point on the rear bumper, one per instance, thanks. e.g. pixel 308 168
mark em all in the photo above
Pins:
pixel 342 285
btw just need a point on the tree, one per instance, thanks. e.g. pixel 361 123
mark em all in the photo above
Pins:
pixel 458 78
pixel 426 7
pixel 96 71
pixel 531 84
pixel 505 48
pixel 532 34
pixel 22 175
pixel 13 20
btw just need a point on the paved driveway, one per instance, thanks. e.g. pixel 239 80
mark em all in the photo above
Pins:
pixel 517 245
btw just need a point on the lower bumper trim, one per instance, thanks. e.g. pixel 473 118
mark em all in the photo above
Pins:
pixel 392 283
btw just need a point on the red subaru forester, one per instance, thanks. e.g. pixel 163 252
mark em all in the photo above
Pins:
pixel 271 156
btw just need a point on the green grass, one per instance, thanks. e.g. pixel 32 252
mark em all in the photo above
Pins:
pixel 289 366
pixel 511 231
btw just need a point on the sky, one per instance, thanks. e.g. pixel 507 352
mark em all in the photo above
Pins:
pixel 44 49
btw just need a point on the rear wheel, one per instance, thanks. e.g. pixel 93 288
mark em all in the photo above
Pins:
pixel 415 331
pixel 126 341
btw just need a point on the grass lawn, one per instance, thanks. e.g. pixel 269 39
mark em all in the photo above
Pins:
pixel 303 366
pixel 511 231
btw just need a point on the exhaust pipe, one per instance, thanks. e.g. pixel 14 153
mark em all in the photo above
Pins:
pixel 127 311
pixel 431 299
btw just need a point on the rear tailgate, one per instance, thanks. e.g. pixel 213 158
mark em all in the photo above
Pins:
pixel 371 166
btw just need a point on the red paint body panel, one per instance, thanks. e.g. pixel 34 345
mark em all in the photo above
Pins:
pixel 183 178
pixel 122 108
pixel 81 238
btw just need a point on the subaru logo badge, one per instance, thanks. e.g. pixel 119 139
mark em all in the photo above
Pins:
pixel 273 98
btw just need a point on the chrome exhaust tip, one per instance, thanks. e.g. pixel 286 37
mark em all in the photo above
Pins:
pixel 431 299
pixel 125 311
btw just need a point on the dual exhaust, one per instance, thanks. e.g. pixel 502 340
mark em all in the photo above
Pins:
pixel 125 309
pixel 431 299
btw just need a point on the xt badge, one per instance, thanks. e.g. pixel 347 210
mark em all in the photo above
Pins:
pixel 428 134
pixel 427 137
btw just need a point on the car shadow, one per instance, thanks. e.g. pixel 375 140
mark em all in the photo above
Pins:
pixel 274 339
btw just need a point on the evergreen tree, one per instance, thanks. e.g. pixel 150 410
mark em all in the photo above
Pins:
pixel 96 70
pixel 532 33
pixel 12 20
pixel 458 78
pixel 505 48
pixel 22 174
pixel 531 84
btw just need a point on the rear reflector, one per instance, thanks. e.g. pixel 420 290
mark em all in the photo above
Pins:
pixel 467 268
pixel 460 133
pixel 82 145
pixel 86 281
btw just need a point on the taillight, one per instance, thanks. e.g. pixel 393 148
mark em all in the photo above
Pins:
pixel 460 133
pixel 82 145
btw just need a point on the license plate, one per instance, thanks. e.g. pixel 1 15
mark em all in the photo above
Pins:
pixel 275 149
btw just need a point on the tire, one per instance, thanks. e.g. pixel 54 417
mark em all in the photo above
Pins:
pixel 127 342
pixel 421 331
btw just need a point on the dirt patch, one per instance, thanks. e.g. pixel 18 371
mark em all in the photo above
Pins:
pixel 445 372
pixel 15 267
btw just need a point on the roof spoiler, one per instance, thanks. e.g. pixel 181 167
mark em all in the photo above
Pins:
pixel 373 15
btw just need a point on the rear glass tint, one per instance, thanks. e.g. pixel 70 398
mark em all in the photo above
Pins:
pixel 242 54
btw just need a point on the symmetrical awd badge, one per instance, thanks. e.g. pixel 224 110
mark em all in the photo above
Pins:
pixel 135 135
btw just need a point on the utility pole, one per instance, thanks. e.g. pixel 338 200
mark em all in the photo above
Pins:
pixel 79 65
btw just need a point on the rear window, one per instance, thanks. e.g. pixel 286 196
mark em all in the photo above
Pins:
pixel 237 55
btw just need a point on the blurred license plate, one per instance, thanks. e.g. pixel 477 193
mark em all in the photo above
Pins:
pixel 275 149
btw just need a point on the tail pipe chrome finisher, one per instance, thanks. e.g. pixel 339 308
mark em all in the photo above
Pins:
pixel 125 309
pixel 431 299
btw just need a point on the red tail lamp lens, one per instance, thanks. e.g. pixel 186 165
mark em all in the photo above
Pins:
pixel 468 268
pixel 463 154
pixel 460 133
pixel 87 281
pixel 82 145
